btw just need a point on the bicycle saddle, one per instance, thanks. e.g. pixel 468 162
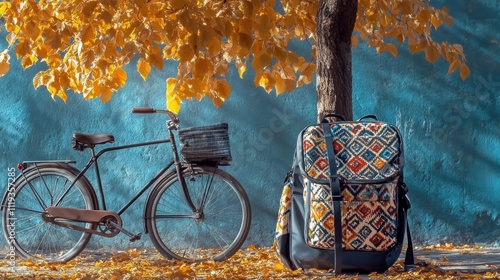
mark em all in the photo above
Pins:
pixel 93 139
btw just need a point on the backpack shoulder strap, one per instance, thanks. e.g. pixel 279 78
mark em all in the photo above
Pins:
pixel 336 196
pixel 406 204
pixel 409 258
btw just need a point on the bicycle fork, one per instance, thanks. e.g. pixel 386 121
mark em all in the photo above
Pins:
pixel 197 209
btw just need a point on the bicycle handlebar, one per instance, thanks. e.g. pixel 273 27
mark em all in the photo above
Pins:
pixel 143 110
pixel 172 116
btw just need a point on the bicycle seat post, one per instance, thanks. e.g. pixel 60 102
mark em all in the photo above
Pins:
pixel 98 176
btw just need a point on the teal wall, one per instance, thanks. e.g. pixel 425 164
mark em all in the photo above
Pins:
pixel 451 130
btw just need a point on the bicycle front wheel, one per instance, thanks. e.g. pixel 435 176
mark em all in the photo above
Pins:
pixel 24 225
pixel 215 230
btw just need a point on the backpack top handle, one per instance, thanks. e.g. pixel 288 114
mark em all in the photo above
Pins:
pixel 368 117
pixel 332 115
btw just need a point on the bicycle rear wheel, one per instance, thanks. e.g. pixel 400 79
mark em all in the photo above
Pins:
pixel 214 231
pixel 24 226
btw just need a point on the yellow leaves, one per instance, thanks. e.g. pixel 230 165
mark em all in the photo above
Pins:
pixel 306 73
pixel 119 77
pixel 464 71
pixel 387 47
pixel 432 53
pixel 3 7
pixel 248 263
pixel 173 101
pixel 4 63
pixel 55 89
pixel 241 66
pixel 89 7
pixel 32 30
pixel 154 56
pixel 88 35
pixel 87 44
pixel 417 46
pixel 245 40
pixel 103 91
pixel 178 4
pixel 222 88
pixel 436 22
pixel 185 53
pixel 284 84
pixel 423 16
pixel 265 80
pixel 187 22
pixel 41 78
pixel 406 20
pixel 22 48
pixel 264 26
pixel 280 54
pixel 143 68
pixel 354 41
pixel 453 66
pixel 262 61
pixel 28 61
pixel 202 66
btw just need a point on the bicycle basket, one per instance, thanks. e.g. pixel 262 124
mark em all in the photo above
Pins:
pixel 205 143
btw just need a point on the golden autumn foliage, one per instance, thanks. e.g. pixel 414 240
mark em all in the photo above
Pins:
pixel 86 44
pixel 248 263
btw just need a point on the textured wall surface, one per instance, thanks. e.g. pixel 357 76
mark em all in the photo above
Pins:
pixel 451 130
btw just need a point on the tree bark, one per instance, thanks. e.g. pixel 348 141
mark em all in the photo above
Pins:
pixel 335 21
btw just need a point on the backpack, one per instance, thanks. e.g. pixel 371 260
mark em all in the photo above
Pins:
pixel 350 176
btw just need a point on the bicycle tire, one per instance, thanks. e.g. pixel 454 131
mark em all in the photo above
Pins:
pixel 23 225
pixel 218 231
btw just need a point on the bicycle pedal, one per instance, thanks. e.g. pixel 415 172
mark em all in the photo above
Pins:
pixel 135 237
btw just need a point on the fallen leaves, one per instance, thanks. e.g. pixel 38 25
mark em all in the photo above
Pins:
pixel 249 263
pixel 450 246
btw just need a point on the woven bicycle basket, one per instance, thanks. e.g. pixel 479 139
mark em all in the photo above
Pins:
pixel 205 143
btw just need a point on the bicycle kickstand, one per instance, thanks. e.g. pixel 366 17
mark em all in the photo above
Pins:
pixel 133 237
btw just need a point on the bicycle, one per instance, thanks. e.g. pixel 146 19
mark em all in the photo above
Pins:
pixel 194 211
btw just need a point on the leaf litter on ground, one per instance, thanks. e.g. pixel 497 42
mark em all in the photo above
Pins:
pixel 249 263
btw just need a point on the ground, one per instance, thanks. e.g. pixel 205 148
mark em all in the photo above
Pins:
pixel 438 261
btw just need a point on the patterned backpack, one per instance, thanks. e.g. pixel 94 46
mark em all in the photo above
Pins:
pixel 345 190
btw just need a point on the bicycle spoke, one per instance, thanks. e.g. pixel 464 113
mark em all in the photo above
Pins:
pixel 37 195
pixel 37 238
pixel 215 233
pixel 206 191
pixel 172 216
pixel 60 191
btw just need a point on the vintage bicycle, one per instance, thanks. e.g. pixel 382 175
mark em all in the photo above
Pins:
pixel 194 211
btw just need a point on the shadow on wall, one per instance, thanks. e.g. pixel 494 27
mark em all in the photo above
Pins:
pixel 451 127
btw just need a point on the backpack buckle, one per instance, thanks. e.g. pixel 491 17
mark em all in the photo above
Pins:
pixel 335 185
pixel 288 176
pixel 404 187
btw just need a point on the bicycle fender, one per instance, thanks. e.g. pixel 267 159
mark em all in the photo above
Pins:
pixel 35 166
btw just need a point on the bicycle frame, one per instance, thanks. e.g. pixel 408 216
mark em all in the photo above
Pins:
pixel 95 157
pixel 93 161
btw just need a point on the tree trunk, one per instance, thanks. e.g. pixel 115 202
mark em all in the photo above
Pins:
pixel 334 25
